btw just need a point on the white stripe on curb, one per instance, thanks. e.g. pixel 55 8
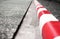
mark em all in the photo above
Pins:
pixel 36 2
pixel 41 9
pixel 44 19
pixel 58 37
pixel 38 6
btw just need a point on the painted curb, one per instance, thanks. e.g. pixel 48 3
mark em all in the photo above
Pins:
pixel 48 24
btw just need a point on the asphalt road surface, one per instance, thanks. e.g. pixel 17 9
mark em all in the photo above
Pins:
pixel 11 13
pixel 52 6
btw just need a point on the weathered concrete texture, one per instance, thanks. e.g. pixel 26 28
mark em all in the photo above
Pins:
pixel 29 28
pixel 11 13
pixel 52 6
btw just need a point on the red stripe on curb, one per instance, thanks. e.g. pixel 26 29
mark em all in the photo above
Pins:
pixel 43 12
pixel 51 25
pixel 51 30
pixel 40 6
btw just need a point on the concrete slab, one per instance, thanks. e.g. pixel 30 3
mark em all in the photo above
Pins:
pixel 29 28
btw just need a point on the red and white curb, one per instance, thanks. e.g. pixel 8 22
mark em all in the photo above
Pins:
pixel 49 25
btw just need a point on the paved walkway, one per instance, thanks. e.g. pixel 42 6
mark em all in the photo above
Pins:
pixel 29 28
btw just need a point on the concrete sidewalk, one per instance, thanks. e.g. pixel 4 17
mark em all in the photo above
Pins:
pixel 29 28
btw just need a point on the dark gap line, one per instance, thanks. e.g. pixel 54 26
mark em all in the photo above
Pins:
pixel 19 26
